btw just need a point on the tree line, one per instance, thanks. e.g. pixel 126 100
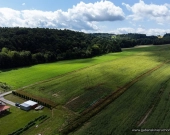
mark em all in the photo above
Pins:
pixel 28 46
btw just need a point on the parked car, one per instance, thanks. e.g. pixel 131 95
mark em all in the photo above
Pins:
pixel 17 104
pixel 39 107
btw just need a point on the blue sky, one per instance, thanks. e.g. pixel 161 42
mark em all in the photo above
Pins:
pixel 151 17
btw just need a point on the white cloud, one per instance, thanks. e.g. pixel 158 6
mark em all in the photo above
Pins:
pixel 141 10
pixel 80 17
pixel 23 4
pixel 141 30
pixel 99 11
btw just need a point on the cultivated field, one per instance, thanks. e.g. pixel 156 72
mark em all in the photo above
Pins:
pixel 20 77
pixel 127 112
pixel 80 84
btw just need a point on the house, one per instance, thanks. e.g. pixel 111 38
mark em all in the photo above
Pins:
pixel 4 108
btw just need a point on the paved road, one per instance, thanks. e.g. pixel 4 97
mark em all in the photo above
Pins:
pixel 6 101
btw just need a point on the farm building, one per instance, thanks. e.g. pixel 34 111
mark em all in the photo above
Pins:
pixel 31 103
pixel 28 105
pixel 25 107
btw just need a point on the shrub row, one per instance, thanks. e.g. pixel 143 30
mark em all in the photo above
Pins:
pixel 21 130
pixel 28 96
pixel 44 119
pixel 29 125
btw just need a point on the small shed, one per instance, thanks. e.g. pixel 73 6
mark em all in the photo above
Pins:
pixel 31 103
pixel 25 106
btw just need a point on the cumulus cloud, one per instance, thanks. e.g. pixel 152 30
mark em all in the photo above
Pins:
pixel 99 11
pixel 80 17
pixel 141 10
pixel 141 30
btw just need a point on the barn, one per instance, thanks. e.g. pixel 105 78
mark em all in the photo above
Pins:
pixel 25 107
pixel 28 105
pixel 31 103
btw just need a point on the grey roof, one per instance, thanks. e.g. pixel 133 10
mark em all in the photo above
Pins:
pixel 25 105
pixel 31 103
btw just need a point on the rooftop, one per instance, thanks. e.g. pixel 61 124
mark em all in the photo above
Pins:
pixel 31 103
pixel 3 108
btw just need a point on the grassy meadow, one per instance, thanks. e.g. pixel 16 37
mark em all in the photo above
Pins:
pixel 76 85
pixel 20 77
pixel 124 114
pixel 111 74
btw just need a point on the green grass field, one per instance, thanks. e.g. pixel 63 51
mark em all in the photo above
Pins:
pixel 72 82
pixel 111 74
pixel 123 115
pixel 20 77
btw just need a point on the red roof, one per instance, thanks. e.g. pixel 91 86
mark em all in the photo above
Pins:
pixel 3 108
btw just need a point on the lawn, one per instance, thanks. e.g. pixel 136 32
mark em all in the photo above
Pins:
pixel 17 119
pixel 14 98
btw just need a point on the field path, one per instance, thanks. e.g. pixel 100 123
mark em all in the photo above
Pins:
pixel 146 116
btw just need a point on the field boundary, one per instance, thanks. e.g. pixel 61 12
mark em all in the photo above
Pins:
pixel 43 101
pixel 101 104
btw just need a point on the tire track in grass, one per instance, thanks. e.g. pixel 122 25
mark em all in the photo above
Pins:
pixel 145 117
pixel 101 104
pixel 154 105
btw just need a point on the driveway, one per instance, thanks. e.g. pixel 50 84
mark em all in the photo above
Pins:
pixel 6 93
pixel 6 101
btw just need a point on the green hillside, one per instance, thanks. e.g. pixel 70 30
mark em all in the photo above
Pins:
pixel 77 85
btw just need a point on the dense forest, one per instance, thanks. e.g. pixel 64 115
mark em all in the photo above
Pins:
pixel 28 46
